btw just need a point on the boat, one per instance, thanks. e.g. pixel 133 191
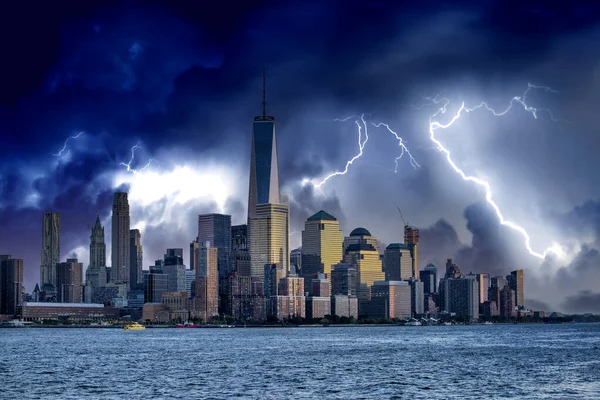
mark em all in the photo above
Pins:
pixel 187 325
pixel 412 322
pixel 488 323
pixel 447 323
pixel 134 327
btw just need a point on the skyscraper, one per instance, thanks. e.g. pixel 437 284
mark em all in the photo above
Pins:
pixel 269 240
pixel 411 239
pixel 120 238
pixel 95 275
pixel 264 166
pixel 50 250
pixel 207 282
pixel 136 256
pixel 398 262
pixel 364 256
pixel 268 213
pixel 321 246
pixel 429 278
pixel 516 284
pixel 194 246
pixel 216 229
pixel 483 280
pixel 69 276
pixel 11 282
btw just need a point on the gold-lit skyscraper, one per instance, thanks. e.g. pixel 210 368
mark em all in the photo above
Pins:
pixel 207 282
pixel 321 245
pixel 361 254
pixel 515 280
pixel 120 238
pixel 269 240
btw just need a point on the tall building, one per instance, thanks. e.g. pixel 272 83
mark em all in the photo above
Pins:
pixel 269 237
pixel 507 302
pixel 364 256
pixel 398 262
pixel 242 298
pixel 264 166
pixel 216 229
pixel 389 299
pixel 272 275
pixel 69 277
pixel 321 246
pixel 11 283
pixel 452 270
pixel 120 238
pixel 296 260
pixel 136 257
pixel 360 236
pixel 516 283
pixel 460 296
pixel 50 250
pixel 173 266
pixel 194 246
pixel 411 239
pixel 429 278
pixel 207 282
pixel 344 280
pixel 155 284
pixel 239 237
pixel 95 275
pixel 483 281
pixel 417 298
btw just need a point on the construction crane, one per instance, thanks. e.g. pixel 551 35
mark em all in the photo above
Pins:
pixel 402 216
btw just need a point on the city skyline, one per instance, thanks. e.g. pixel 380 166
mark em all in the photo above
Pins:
pixel 166 118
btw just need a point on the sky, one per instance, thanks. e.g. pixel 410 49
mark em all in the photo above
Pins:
pixel 182 81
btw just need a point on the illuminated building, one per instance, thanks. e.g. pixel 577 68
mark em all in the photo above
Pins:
pixel 483 281
pixel 321 246
pixel 344 306
pixel 50 250
pixel 120 238
pixel 269 237
pixel 389 299
pixel 398 262
pixel 207 282
pixel 364 256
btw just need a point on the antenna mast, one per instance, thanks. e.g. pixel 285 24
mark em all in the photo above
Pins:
pixel 264 102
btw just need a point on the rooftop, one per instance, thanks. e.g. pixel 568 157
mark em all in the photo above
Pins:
pixel 322 216
pixel 64 305
pixel 392 246
pixel 360 232
pixel 360 247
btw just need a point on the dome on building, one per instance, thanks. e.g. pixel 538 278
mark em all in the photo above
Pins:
pixel 360 232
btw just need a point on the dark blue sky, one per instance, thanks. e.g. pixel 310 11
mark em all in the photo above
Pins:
pixel 182 79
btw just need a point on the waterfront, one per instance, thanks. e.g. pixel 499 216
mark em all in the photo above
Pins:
pixel 478 361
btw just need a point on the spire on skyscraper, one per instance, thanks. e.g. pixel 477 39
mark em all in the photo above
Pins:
pixel 264 103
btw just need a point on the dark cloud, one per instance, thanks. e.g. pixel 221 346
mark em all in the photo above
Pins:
pixel 584 302
pixel 184 76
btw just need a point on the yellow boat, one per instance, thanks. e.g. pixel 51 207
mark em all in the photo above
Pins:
pixel 134 327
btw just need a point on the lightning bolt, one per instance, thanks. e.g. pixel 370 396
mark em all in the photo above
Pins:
pixel 128 165
pixel 361 146
pixel 435 125
pixel 60 153
pixel 403 147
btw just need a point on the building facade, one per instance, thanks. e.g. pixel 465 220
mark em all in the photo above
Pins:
pixel 50 250
pixel 69 277
pixel 398 262
pixel 11 284
pixel 120 256
pixel 136 260
pixel 269 237
pixel 95 275
pixel 207 282
pixel 216 229
pixel 321 245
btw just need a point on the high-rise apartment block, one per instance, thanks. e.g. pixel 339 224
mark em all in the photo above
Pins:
pixel 344 280
pixel 50 250
pixel 120 238
pixel 515 280
pixel 364 256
